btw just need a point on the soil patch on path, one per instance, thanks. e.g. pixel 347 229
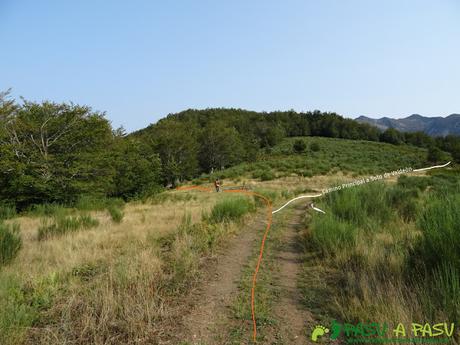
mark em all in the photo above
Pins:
pixel 212 299
pixel 294 320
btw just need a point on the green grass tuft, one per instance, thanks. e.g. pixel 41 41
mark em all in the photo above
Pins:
pixel 440 221
pixel 230 209
pixel 47 210
pixel 7 211
pixel 115 213
pixel 10 242
pixel 61 224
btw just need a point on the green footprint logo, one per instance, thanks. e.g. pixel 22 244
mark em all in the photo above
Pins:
pixel 318 331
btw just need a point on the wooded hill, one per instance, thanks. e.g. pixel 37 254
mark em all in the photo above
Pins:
pixel 55 153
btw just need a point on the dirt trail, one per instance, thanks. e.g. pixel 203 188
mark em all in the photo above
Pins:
pixel 213 297
pixel 294 320
pixel 209 316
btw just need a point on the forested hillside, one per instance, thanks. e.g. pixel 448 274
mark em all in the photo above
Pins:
pixel 56 153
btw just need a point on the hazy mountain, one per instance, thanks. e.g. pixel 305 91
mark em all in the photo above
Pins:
pixel 434 126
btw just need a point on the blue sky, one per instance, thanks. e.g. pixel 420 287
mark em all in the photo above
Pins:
pixel 140 60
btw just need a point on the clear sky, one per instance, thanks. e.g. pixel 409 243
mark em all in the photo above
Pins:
pixel 140 60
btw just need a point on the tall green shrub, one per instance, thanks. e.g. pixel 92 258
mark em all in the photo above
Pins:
pixel 61 224
pixel 7 211
pixel 10 242
pixel 115 213
pixel 440 223
pixel 230 209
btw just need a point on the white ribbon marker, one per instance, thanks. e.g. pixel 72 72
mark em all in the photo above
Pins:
pixel 299 197
pixel 317 209
pixel 433 167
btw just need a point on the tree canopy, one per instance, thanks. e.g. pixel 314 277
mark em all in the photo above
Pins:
pixel 58 152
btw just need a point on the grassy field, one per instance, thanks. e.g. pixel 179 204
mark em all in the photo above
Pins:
pixel 92 277
pixel 328 156
pixel 387 252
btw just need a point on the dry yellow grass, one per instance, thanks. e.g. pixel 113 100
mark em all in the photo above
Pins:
pixel 142 222
pixel 110 284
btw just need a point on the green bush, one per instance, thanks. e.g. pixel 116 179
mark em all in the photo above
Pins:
pixel 7 211
pixel 61 224
pixel 361 210
pixel 315 147
pixel 405 201
pixel 89 203
pixel 230 209
pixel 440 223
pixel 331 234
pixel 86 221
pixel 257 173
pixel 264 174
pixel 267 193
pixel 364 206
pixel 418 182
pixel 435 155
pixel 47 210
pixel 115 213
pixel 445 182
pixel 299 146
pixel 21 303
pixel 10 242
pixel 439 292
pixel 267 176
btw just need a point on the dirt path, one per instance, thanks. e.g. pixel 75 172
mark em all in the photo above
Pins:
pixel 294 320
pixel 212 299
pixel 210 315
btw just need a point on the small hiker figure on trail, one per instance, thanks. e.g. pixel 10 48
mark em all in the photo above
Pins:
pixel 217 185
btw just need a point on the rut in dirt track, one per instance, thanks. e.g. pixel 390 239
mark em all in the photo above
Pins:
pixel 214 296
pixel 292 317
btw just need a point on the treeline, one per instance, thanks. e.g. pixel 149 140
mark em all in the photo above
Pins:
pixel 196 141
pixel 55 153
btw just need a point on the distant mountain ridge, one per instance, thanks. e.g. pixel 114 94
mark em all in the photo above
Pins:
pixel 434 126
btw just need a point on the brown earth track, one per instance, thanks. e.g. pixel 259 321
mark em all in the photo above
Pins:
pixel 208 313
pixel 293 319
pixel 212 299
